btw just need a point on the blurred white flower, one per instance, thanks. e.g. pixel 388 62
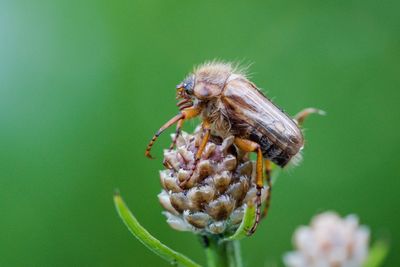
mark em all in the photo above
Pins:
pixel 330 241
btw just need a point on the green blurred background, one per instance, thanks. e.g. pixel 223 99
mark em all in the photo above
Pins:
pixel 85 84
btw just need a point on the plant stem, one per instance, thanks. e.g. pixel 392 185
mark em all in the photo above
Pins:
pixel 223 254
pixel 234 254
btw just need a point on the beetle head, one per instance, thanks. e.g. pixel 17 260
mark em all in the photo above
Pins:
pixel 185 88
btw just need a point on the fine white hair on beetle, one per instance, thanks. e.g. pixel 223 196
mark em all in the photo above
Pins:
pixel 221 67
pixel 295 160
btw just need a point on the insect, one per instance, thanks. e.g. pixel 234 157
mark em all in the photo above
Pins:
pixel 230 104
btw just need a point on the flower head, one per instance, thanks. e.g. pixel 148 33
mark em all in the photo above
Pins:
pixel 213 201
pixel 330 241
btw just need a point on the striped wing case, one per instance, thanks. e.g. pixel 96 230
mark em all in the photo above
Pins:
pixel 255 117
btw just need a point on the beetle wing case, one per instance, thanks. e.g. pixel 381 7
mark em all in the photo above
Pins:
pixel 255 117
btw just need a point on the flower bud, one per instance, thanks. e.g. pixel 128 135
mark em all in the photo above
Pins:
pixel 213 200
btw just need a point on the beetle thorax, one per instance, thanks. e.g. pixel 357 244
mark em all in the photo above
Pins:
pixel 214 113
pixel 210 80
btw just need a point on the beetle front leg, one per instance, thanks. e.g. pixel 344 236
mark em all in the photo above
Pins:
pixel 250 146
pixel 206 128
pixel 185 114
pixel 177 134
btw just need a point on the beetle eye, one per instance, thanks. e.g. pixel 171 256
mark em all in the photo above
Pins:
pixel 188 85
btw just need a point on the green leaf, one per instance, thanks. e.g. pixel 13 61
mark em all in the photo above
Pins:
pixel 246 224
pixel 377 254
pixel 147 239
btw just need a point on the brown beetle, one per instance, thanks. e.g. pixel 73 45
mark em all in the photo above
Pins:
pixel 230 104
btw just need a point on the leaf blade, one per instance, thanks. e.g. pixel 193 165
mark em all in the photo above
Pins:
pixel 246 224
pixel 377 254
pixel 147 239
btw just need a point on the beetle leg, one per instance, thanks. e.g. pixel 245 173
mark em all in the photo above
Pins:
pixel 303 114
pixel 267 164
pixel 250 146
pixel 178 117
pixel 185 114
pixel 206 127
pixel 177 133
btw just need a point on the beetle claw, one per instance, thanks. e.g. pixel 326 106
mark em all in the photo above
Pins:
pixel 148 155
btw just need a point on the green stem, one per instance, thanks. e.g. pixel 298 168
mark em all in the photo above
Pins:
pixel 235 253
pixel 223 254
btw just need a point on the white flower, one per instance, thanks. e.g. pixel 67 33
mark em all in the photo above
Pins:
pixel 330 241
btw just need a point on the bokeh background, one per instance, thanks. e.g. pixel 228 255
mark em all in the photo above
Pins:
pixel 85 84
